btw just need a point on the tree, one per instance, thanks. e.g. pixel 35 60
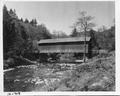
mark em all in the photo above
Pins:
pixel 21 20
pixel 59 34
pixel 23 33
pixel 94 44
pixel 106 39
pixel 26 21
pixel 5 14
pixel 9 33
pixel 74 33
pixel 42 32
pixel 84 23
pixel 18 36
pixel 11 11
pixel 13 14
pixel 103 28
pixel 33 22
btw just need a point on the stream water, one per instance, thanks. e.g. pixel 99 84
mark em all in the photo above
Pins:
pixel 34 78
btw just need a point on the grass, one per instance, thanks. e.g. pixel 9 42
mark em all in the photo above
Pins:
pixel 95 75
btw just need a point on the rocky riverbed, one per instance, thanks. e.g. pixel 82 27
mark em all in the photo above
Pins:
pixel 34 77
pixel 94 75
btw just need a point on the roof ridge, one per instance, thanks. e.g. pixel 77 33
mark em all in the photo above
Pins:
pixel 70 39
pixel 66 38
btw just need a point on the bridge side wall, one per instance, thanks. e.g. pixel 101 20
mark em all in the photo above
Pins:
pixel 75 47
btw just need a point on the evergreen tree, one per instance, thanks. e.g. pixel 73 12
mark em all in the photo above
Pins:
pixel 26 21
pixel 18 36
pixel 21 20
pixel 33 22
pixel 74 33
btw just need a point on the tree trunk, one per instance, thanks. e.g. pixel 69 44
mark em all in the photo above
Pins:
pixel 84 57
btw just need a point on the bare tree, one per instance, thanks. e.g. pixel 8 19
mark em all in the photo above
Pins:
pixel 59 34
pixel 102 29
pixel 84 24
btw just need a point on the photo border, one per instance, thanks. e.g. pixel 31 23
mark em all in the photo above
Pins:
pixel 117 52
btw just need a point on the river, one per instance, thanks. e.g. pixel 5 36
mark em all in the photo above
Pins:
pixel 34 78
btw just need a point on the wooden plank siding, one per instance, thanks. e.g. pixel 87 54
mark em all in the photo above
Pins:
pixel 64 45
pixel 63 48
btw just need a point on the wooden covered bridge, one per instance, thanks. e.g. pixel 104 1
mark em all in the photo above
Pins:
pixel 66 45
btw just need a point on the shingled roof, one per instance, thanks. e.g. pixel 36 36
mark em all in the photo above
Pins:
pixel 60 40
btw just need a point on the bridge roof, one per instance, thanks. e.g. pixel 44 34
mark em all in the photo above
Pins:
pixel 60 40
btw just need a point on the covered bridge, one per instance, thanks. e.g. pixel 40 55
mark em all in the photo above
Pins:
pixel 65 45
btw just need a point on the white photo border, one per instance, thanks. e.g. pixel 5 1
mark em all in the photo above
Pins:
pixel 117 57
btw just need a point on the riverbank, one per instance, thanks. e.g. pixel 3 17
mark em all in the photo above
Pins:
pixel 97 74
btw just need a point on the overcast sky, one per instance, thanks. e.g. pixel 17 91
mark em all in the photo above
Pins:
pixel 61 15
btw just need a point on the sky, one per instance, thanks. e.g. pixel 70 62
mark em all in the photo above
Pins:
pixel 61 15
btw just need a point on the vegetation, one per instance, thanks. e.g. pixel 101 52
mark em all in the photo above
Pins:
pixel 19 37
pixel 106 39
pixel 59 34
pixel 98 74
pixel 100 40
